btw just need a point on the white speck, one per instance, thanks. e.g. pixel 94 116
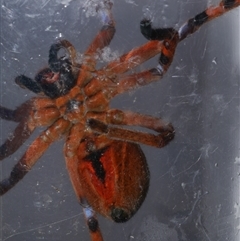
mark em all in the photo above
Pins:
pixel 109 55
pixel 214 61
pixel 131 2
pixel 183 185
pixel 64 2
pixel 237 207
pixel 237 160
pixel 32 15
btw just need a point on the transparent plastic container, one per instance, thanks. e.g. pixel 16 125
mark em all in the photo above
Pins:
pixel 194 190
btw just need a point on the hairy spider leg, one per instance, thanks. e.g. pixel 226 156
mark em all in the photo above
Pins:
pixel 92 224
pixel 72 162
pixel 102 39
pixel 193 24
pixel 136 57
pixel 107 123
pixel 31 114
pixel 10 115
pixel 54 62
pixel 33 153
pixel 131 135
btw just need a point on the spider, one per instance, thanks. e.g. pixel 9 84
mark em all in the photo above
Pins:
pixel 106 165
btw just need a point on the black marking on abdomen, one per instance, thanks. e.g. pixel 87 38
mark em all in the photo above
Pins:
pixel 95 158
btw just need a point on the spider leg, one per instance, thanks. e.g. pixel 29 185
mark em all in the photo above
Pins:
pixel 28 120
pixel 72 162
pixel 70 148
pixel 124 84
pixel 104 36
pixel 55 63
pixel 92 224
pixel 158 141
pixel 134 81
pixel 21 132
pixel 151 33
pixel 8 114
pixel 27 83
pixel 102 39
pixel 16 139
pixel 118 117
pixel 137 56
pixel 193 24
pixel 33 153
pixel 106 77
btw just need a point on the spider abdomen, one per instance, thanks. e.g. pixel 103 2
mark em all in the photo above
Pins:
pixel 108 187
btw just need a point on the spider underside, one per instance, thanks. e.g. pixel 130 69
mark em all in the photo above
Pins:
pixel 106 165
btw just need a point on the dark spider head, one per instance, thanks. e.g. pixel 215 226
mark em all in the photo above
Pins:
pixel 59 78
pixel 56 84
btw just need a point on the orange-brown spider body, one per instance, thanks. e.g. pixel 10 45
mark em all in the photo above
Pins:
pixel 107 167
pixel 108 187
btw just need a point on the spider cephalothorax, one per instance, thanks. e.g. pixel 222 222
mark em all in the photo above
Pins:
pixel 107 167
pixel 59 78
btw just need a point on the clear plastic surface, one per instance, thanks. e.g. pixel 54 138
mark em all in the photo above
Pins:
pixel 194 188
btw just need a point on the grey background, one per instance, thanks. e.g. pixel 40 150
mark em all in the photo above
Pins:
pixel 194 191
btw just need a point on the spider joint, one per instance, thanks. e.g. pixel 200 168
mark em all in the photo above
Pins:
pixel 97 126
